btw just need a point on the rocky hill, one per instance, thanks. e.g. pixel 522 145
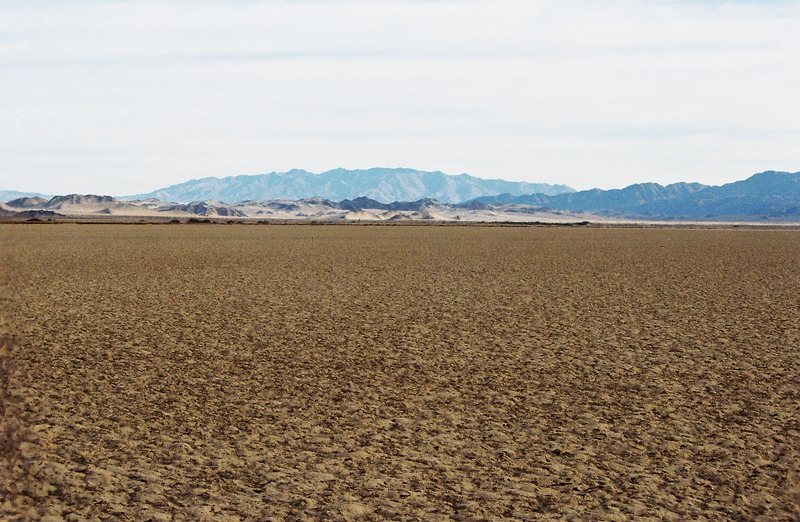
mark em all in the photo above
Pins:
pixel 306 209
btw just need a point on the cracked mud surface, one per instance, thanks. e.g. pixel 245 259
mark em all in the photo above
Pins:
pixel 303 372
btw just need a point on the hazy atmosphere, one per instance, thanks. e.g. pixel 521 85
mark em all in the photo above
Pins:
pixel 125 97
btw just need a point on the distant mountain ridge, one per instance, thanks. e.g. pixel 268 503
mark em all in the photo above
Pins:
pixel 769 195
pixel 381 184
pixel 8 195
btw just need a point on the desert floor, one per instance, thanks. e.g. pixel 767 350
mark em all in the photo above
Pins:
pixel 343 372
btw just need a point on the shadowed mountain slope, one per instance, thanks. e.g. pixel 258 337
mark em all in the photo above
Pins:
pixel 768 195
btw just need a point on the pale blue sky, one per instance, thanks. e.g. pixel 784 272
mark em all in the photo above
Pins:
pixel 124 97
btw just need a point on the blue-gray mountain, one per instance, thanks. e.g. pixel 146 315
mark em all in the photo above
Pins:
pixel 769 195
pixel 8 195
pixel 384 185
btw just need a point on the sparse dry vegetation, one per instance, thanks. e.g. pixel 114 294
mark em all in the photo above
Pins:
pixel 205 372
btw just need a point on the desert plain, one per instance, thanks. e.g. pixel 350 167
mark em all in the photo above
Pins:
pixel 272 372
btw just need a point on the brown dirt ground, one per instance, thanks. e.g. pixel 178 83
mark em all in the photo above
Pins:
pixel 272 372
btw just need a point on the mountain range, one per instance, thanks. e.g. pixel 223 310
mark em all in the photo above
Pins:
pixel 769 195
pixel 381 184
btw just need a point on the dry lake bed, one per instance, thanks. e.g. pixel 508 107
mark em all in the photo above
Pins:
pixel 224 372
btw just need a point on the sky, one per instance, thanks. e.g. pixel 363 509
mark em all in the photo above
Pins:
pixel 125 97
